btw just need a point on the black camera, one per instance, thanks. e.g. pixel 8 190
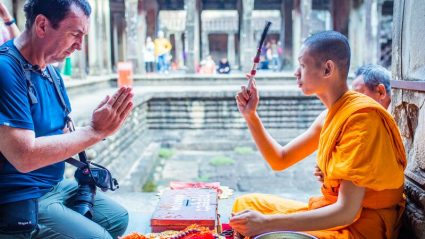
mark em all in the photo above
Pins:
pixel 89 177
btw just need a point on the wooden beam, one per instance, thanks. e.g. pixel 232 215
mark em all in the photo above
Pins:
pixel 408 85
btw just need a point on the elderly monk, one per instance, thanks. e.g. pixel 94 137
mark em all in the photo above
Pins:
pixel 360 153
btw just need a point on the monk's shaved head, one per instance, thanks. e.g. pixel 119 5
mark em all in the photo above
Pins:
pixel 330 45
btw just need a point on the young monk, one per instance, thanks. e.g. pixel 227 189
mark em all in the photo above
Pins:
pixel 360 153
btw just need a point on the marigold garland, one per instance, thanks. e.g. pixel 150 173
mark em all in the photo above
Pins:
pixel 193 231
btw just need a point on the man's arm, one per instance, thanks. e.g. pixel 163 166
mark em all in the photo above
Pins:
pixel 343 212
pixel 5 15
pixel 27 153
pixel 279 157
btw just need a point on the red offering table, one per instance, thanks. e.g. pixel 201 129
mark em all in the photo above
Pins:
pixel 180 208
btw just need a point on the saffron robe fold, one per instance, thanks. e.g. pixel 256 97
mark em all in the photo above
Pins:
pixel 359 142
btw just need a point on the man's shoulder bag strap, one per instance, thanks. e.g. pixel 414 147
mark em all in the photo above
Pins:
pixel 26 68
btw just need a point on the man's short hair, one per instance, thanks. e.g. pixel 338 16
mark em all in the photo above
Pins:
pixel 373 75
pixel 330 45
pixel 54 10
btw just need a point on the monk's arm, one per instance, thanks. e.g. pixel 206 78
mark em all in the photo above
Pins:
pixel 281 157
pixel 343 212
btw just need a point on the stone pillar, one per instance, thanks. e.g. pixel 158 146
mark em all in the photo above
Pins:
pixel 142 30
pixel 106 36
pixel 192 34
pixel 301 24
pixel 79 63
pixel 179 49
pixel 408 67
pixel 205 44
pixel 95 47
pixel 356 36
pixel 286 30
pixel 247 45
pixel 133 52
pixel 371 38
pixel 231 49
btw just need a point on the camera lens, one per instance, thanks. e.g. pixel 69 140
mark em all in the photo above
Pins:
pixel 84 200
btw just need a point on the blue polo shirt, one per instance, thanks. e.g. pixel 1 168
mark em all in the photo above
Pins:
pixel 47 117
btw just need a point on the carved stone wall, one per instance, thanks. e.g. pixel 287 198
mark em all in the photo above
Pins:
pixel 408 106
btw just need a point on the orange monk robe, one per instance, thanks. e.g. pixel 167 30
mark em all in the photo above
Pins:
pixel 359 142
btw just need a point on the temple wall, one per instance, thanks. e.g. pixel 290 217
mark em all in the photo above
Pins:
pixel 408 106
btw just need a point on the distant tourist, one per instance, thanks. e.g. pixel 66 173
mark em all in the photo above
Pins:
pixel 149 55
pixel 162 52
pixel 223 66
pixel 274 54
pixel 9 30
pixel 207 66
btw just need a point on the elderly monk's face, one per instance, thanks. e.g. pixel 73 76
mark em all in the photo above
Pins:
pixel 359 86
pixel 308 74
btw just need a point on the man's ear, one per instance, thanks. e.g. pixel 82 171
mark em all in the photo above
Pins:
pixel 381 91
pixel 41 23
pixel 329 68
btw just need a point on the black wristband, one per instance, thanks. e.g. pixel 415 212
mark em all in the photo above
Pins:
pixel 10 22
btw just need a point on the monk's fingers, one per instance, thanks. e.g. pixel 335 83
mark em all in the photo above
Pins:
pixel 242 212
pixel 253 88
pixel 244 92
pixel 240 102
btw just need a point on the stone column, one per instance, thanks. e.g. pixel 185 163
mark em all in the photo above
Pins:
pixel 356 36
pixel 95 46
pixel 371 37
pixel 286 33
pixel 247 45
pixel 133 52
pixel 179 49
pixel 79 64
pixel 301 25
pixel 231 49
pixel 106 36
pixel 205 44
pixel 408 67
pixel 142 30
pixel 192 34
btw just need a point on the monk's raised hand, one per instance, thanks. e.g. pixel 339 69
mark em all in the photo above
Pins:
pixel 111 113
pixel 249 223
pixel 318 173
pixel 247 98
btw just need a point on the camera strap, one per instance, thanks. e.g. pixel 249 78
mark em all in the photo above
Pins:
pixel 69 123
pixel 108 181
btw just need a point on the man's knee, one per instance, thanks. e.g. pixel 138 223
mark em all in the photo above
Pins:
pixel 118 223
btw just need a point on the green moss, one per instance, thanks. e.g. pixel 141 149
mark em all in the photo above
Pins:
pixel 203 178
pixel 149 186
pixel 243 150
pixel 221 161
pixel 166 153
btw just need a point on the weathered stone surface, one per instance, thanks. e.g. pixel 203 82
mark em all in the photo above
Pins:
pixel 407 107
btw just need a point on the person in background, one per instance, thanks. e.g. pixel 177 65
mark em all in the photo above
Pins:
pixel 223 66
pixel 208 66
pixel 149 54
pixel 9 30
pixel 162 51
pixel 374 81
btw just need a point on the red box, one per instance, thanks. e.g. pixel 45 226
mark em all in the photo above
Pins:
pixel 180 208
